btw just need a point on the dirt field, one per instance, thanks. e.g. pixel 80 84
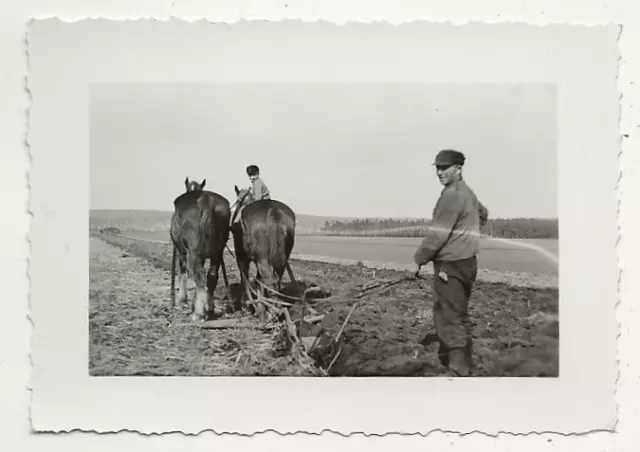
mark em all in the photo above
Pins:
pixel 516 328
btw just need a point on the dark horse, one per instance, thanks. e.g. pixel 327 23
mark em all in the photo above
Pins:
pixel 264 235
pixel 199 231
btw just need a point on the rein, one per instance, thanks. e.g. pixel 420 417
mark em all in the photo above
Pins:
pixel 239 204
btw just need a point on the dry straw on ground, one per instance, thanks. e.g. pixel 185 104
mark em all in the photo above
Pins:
pixel 516 327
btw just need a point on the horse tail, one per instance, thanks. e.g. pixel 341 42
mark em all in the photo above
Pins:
pixel 206 226
pixel 277 232
pixel 173 275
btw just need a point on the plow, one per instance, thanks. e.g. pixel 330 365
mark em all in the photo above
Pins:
pixel 308 327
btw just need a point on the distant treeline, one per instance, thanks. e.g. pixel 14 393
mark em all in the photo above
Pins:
pixel 510 228
pixel 497 227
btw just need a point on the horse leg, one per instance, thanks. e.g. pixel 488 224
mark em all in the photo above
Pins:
pixel 243 262
pixel 212 282
pixel 199 306
pixel 224 272
pixel 191 268
pixel 243 265
pixel 279 274
pixel 174 258
pixel 259 279
pixel 266 279
pixel 290 272
pixel 229 295
pixel 182 279
pixel 224 267
pixel 260 271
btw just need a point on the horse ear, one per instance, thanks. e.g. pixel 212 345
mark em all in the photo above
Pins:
pixel 236 189
pixel 186 181
pixel 204 182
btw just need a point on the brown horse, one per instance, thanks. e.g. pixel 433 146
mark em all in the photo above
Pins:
pixel 264 235
pixel 199 231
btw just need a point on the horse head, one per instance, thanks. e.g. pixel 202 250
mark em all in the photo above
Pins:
pixel 244 196
pixel 193 185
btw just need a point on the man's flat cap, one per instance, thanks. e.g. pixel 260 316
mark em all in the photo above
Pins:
pixel 449 157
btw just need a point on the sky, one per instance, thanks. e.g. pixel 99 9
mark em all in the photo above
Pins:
pixel 335 149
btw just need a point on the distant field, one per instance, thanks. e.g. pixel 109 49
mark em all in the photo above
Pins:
pixel 534 256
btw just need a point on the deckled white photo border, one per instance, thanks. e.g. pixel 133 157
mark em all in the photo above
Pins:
pixel 65 57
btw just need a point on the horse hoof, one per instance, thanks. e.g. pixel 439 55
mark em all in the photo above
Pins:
pixel 195 318
pixel 261 312
pixel 210 315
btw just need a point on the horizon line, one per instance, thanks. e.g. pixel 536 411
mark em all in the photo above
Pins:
pixel 338 216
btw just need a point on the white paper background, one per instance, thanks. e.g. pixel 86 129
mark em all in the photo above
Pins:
pixel 582 61
pixel 16 331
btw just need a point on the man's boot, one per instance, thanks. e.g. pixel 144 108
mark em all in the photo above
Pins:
pixel 458 362
pixel 443 355
pixel 469 355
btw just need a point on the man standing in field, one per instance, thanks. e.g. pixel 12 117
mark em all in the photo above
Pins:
pixel 452 244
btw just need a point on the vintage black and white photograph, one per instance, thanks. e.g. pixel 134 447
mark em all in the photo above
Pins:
pixel 226 216
pixel 323 229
